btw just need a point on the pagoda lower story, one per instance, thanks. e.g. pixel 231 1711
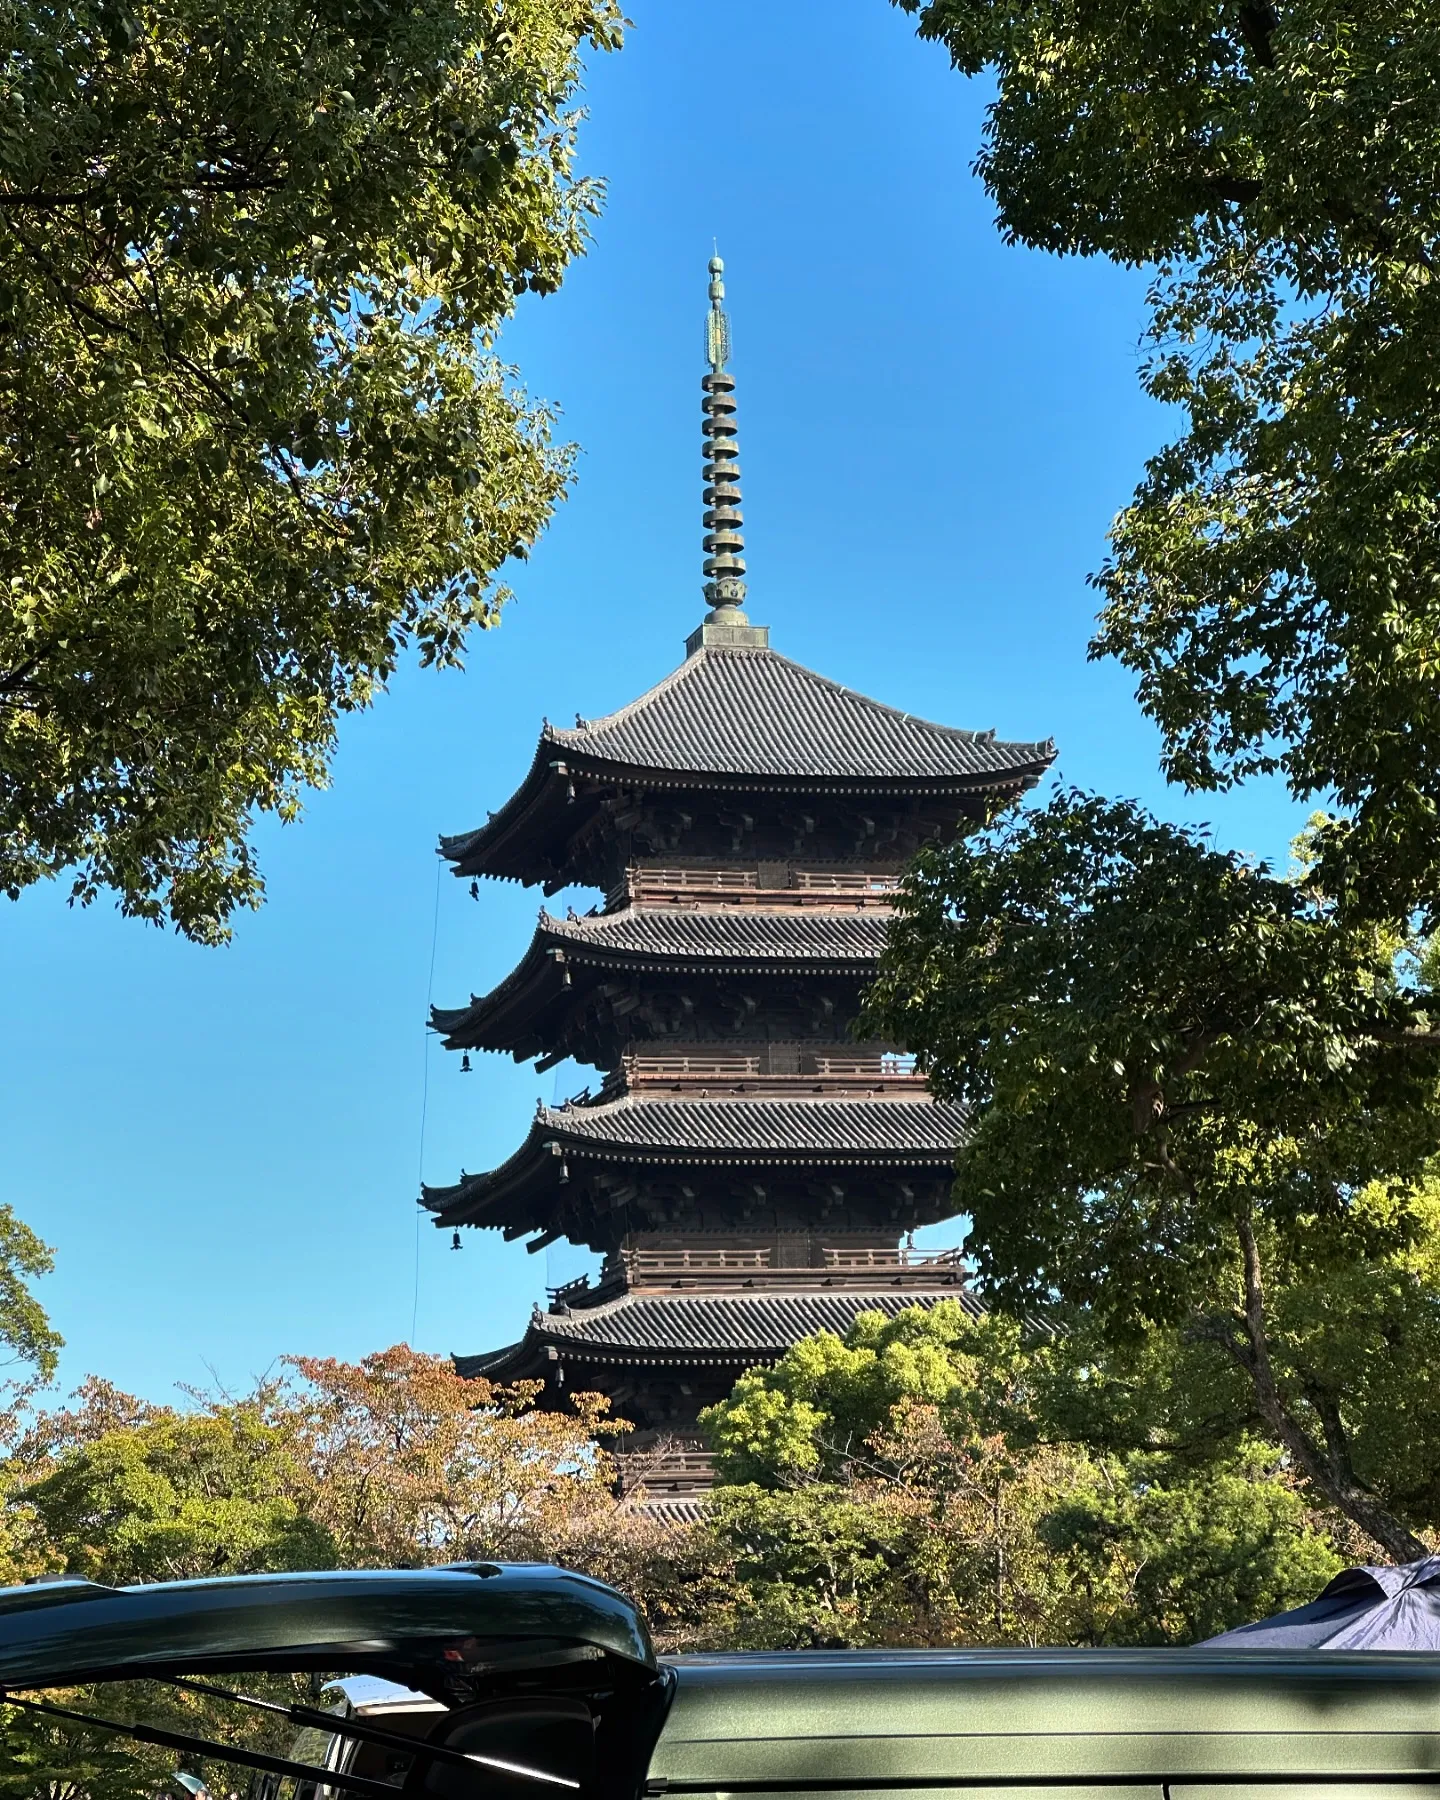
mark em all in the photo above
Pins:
pixel 735 1219
pixel 666 1333
pixel 748 1172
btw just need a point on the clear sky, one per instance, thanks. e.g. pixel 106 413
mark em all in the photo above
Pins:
pixel 224 1146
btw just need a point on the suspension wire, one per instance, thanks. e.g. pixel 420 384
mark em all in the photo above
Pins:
pixel 424 1101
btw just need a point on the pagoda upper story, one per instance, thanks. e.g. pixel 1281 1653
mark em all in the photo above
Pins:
pixel 742 758
pixel 746 823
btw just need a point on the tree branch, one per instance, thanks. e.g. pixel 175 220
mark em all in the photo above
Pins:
pixel 1238 188
pixel 1329 1470
pixel 1258 20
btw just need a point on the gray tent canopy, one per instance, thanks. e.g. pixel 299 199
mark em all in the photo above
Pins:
pixel 1379 1607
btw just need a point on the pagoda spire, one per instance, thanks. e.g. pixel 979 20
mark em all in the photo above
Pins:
pixel 724 564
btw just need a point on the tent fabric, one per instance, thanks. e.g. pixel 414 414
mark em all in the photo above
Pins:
pixel 1378 1607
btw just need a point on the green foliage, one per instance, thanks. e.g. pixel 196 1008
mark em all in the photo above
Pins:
pixel 813 1568
pixel 1205 1111
pixel 393 1461
pixel 1158 1555
pixel 252 443
pixel 1274 584
pixel 815 1411
pixel 24 1328
pixel 915 1483
pixel 52 1759
pixel 175 1497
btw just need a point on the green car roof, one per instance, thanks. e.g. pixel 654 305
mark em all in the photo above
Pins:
pixel 876 1721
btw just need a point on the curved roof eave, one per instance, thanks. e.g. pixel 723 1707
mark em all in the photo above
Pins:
pixel 599 942
pixel 698 1327
pixel 472 852
pixel 485 1010
pixel 482 851
pixel 453 1205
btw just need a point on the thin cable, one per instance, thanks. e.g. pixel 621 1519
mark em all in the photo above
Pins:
pixel 424 1101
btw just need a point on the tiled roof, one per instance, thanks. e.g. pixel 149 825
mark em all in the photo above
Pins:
pixel 491 1365
pixel 929 1129
pixel 666 1509
pixel 821 1132
pixel 740 935
pixel 683 1327
pixel 752 712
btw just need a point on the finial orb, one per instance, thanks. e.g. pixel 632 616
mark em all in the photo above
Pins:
pixel 717 267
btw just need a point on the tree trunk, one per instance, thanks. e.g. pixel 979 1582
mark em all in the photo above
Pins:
pixel 1327 1468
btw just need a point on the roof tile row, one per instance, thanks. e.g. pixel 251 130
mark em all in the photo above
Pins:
pixel 744 935
pixel 699 1324
pixel 929 1129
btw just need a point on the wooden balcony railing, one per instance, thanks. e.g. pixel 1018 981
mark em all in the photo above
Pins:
pixel 665 1470
pixel 777 1068
pixel 903 1258
pixel 698 1270
pixel 719 881
pixel 693 1262
pixel 821 881
pixel 758 1268
pixel 786 887
pixel 728 1068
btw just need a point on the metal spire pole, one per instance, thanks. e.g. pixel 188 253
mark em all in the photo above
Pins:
pixel 724 564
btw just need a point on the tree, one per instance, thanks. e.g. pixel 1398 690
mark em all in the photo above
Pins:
pixel 52 1760
pixel 1274 584
pixel 407 1462
pixel 914 1483
pixel 1159 1557
pixel 1204 1112
pixel 811 1415
pixel 392 1461
pixel 253 442
pixel 174 1497
pixel 24 1328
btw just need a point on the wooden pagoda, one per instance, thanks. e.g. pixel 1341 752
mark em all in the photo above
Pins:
pixel 747 1170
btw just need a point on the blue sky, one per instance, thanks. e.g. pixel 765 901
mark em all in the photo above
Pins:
pixel 224 1146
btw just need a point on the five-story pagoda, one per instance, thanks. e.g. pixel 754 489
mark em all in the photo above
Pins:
pixel 747 1169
